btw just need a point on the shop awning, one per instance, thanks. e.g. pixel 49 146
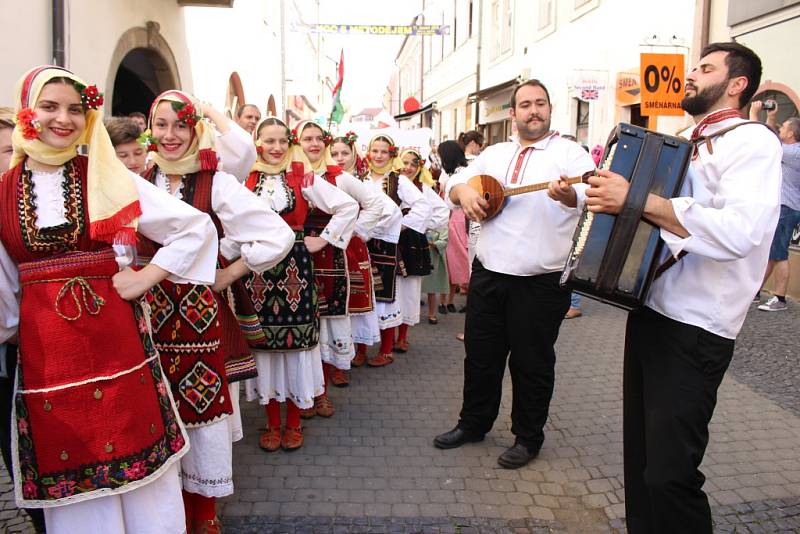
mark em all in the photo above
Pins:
pixel 483 93
pixel 410 114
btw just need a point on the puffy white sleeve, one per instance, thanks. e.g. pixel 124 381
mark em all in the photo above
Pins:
pixel 9 296
pixel 252 230
pixel 372 212
pixel 440 213
pixel 412 198
pixel 746 204
pixel 236 151
pixel 342 208
pixel 476 166
pixel 187 235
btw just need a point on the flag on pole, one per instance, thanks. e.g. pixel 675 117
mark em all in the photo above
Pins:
pixel 337 112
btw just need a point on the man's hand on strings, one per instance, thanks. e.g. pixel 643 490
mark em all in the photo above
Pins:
pixel 473 204
pixel 561 191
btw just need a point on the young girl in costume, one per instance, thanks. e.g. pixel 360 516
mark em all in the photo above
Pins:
pixel 415 251
pixel 196 342
pixel 96 436
pixel 382 161
pixel 285 324
pixel 355 293
pixel 361 307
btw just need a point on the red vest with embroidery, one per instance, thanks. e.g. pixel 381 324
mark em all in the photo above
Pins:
pixel 92 409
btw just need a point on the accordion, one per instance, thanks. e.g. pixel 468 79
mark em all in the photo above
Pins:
pixel 614 258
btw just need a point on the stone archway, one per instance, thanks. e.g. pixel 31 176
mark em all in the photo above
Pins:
pixel 234 94
pixel 788 101
pixel 271 109
pixel 142 66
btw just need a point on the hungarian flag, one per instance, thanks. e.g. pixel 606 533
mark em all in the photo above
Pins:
pixel 338 110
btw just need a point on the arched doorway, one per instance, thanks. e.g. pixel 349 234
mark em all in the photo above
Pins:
pixel 142 66
pixel 787 100
pixel 138 82
pixel 271 110
pixel 234 95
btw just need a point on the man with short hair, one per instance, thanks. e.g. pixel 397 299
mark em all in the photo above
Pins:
pixel 140 119
pixel 778 264
pixel 247 116
pixel 679 345
pixel 516 304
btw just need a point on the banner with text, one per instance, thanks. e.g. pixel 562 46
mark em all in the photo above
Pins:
pixel 371 29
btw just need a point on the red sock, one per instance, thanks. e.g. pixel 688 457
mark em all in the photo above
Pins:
pixel 327 371
pixel 273 410
pixel 387 340
pixel 361 348
pixel 402 332
pixel 292 415
pixel 205 508
pixel 188 508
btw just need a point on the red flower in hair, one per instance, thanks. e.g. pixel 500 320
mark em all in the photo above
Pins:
pixel 293 137
pixel 91 97
pixel 187 113
pixel 259 148
pixel 350 138
pixel 393 151
pixel 30 124
pixel 327 138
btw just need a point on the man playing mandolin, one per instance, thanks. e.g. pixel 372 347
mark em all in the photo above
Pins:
pixel 515 305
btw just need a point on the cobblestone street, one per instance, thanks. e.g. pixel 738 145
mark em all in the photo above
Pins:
pixel 372 466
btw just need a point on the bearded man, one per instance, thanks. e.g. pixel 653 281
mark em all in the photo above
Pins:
pixel 679 345
pixel 515 304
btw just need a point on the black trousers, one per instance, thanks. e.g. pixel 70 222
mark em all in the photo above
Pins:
pixel 514 317
pixel 671 374
pixel 6 405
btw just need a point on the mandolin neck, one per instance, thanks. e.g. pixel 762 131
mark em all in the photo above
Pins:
pixel 538 187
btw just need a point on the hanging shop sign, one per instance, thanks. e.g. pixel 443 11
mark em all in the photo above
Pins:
pixel 662 78
pixel 629 91
pixel 588 85
pixel 371 29
pixel 495 107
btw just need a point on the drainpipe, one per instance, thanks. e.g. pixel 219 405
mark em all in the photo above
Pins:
pixel 283 64
pixel 59 33
pixel 706 28
pixel 478 63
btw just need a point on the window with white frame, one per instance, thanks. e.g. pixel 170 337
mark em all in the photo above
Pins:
pixel 547 16
pixel 581 7
pixel 502 27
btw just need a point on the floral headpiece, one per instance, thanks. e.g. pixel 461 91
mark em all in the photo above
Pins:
pixel 393 150
pixel 147 140
pixel 187 113
pixel 350 138
pixel 293 139
pixel 31 127
pixel 259 147
pixel 91 97
pixel 327 138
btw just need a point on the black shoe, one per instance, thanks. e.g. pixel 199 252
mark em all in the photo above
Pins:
pixel 442 309
pixel 455 438
pixel 462 309
pixel 451 308
pixel 517 456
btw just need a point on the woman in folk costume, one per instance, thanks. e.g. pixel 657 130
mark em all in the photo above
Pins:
pixel 382 161
pixel 336 341
pixel 361 307
pixel 194 328
pixel 415 253
pixel 285 324
pixel 96 436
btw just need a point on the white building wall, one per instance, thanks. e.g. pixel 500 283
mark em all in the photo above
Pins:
pixel 93 30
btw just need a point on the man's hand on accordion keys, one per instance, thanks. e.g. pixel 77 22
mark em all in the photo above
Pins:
pixel 607 192
pixel 561 191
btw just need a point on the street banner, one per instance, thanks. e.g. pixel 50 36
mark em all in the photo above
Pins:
pixel 661 77
pixel 337 112
pixel 371 29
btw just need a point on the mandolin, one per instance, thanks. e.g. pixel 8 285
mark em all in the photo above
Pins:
pixel 495 194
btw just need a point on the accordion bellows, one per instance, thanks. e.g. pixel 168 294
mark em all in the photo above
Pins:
pixel 614 258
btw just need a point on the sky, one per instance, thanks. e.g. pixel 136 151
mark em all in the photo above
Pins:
pixel 368 59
